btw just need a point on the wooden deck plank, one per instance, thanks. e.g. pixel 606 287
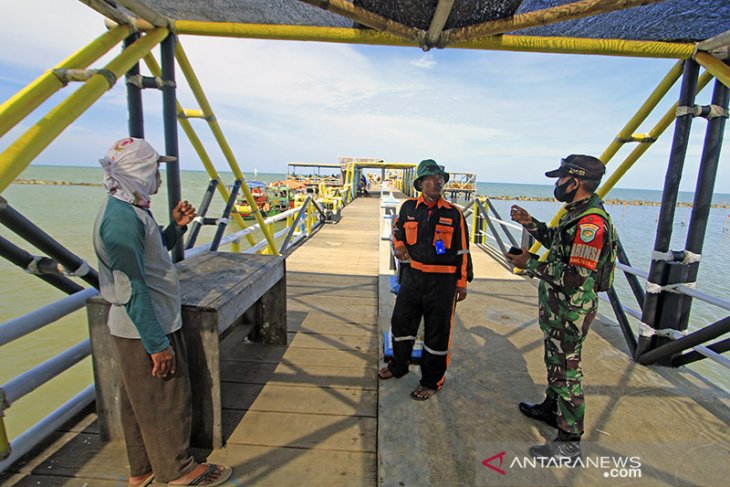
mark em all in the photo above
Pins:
pixel 334 358
pixel 676 423
pixel 310 400
pixel 335 342
pixel 301 375
pixel 316 431
pixel 325 327
pixel 266 466
pixel 297 317
pixel 51 481
pixel 79 455
pixel 304 291
pixel 355 313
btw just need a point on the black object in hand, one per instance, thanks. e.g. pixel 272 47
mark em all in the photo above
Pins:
pixel 514 251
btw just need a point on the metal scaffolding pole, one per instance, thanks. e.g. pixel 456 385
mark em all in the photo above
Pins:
pixel 666 351
pixel 35 236
pixel 656 312
pixel 703 193
pixel 633 281
pixel 24 259
pixel 134 96
pixel 169 117
pixel 16 157
pixel 693 356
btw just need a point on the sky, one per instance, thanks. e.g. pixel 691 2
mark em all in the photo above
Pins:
pixel 508 117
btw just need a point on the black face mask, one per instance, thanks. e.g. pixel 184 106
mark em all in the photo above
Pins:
pixel 562 194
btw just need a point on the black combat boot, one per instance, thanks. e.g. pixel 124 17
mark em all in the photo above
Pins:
pixel 545 411
pixel 565 445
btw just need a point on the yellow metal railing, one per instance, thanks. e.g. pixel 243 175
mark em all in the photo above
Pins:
pixel 662 125
pixel 209 116
pixel 624 136
pixel 18 106
pixel 714 66
pixel 197 144
pixel 15 158
pixel 474 221
pixel 4 443
pixel 566 45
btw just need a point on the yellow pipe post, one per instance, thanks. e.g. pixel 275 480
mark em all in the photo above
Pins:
pixel 714 66
pixel 483 229
pixel 567 45
pixel 474 221
pixel 236 246
pixel 654 133
pixel 197 144
pixel 643 112
pixel 20 153
pixel 310 217
pixel 17 107
pixel 195 86
pixel 4 443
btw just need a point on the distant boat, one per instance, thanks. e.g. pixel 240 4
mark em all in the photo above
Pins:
pixel 260 196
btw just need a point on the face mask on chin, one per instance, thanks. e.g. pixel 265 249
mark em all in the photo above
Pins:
pixel 562 194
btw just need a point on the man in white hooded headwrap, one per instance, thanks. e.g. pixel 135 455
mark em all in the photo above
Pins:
pixel 138 278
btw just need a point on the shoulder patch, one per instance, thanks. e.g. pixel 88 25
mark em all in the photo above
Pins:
pixel 588 242
pixel 587 232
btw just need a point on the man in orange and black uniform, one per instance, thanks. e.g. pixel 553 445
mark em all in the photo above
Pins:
pixel 431 235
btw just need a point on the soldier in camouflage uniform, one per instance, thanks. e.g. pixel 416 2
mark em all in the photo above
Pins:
pixel 576 268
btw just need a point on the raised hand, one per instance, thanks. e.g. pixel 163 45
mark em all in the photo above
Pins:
pixel 183 213
pixel 519 215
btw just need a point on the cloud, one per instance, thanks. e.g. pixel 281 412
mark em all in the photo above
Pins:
pixel 424 61
pixel 506 116
pixel 41 33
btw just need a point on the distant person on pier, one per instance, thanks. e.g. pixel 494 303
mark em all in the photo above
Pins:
pixel 364 186
pixel 138 278
pixel 431 240
pixel 579 264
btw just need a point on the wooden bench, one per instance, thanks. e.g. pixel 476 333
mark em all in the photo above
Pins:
pixel 219 291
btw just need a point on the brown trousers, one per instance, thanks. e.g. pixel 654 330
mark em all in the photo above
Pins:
pixel 156 412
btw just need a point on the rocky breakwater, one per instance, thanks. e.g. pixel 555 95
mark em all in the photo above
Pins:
pixel 608 201
pixel 46 182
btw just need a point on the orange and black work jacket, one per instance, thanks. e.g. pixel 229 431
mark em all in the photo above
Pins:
pixel 418 232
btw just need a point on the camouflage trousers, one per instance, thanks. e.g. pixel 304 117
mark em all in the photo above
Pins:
pixel 565 327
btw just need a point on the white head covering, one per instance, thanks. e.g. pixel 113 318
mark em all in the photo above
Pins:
pixel 130 170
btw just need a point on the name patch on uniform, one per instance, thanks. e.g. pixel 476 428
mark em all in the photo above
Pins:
pixel 588 242
pixel 409 217
pixel 445 221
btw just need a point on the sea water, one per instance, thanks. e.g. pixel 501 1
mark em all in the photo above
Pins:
pixel 67 213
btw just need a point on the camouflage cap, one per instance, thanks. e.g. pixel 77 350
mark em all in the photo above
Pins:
pixel 580 166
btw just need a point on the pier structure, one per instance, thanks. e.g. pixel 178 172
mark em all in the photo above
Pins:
pixel 643 409
pixel 461 186
pixel 313 410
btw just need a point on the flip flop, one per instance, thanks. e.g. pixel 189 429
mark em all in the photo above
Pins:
pixel 416 397
pixel 145 482
pixel 381 377
pixel 212 468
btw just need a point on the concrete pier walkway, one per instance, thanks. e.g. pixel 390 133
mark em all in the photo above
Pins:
pixel 313 413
